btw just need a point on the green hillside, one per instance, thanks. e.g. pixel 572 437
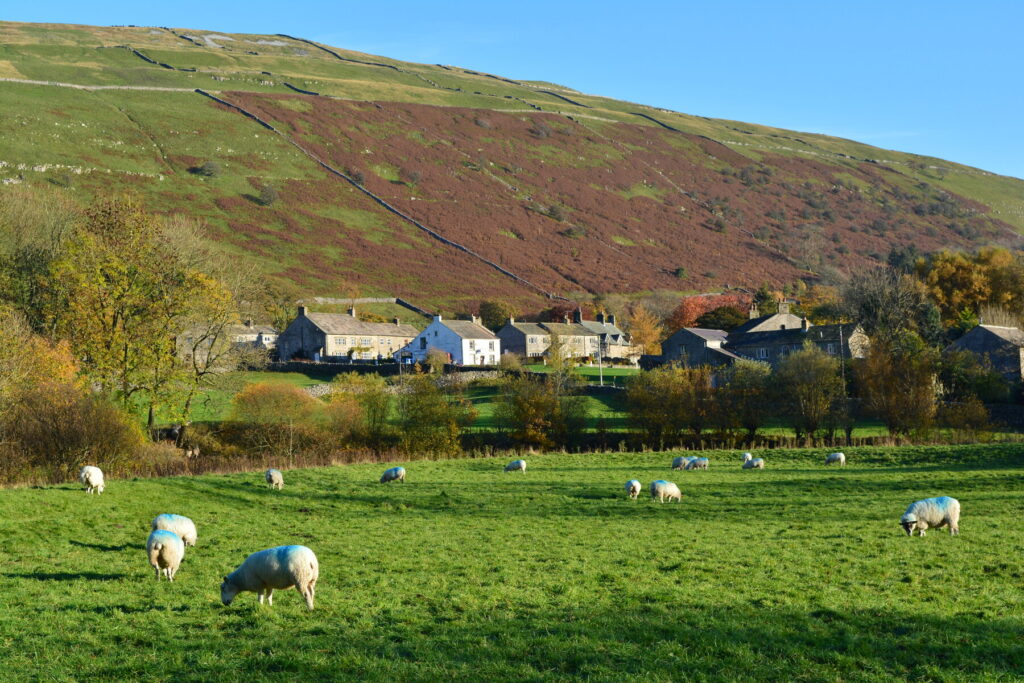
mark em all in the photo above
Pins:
pixel 478 159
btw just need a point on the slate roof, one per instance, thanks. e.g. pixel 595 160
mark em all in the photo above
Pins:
pixel 602 328
pixel 790 320
pixel 467 329
pixel 341 323
pixel 528 328
pixel 817 333
pixel 1010 334
pixel 253 329
pixel 568 330
pixel 708 334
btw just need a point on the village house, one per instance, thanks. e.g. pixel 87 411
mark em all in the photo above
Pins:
pixel 1002 347
pixel 466 342
pixel 696 346
pixel 256 336
pixel 579 338
pixel 341 337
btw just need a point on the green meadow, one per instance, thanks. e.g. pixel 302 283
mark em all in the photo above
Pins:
pixel 797 572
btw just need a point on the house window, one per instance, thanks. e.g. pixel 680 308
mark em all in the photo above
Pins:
pixel 423 343
pixel 490 346
pixel 831 349
pixel 472 345
pixel 762 353
pixel 341 341
pixel 365 341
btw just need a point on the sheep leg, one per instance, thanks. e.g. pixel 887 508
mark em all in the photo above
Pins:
pixel 270 596
pixel 157 569
pixel 259 594
pixel 306 593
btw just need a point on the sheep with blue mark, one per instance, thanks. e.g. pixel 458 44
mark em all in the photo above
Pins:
pixel 516 466
pixel 275 479
pixel 835 459
pixel 662 489
pixel 92 479
pixel 932 513
pixel 274 568
pixel 747 457
pixel 698 464
pixel 753 464
pixel 166 550
pixel 633 488
pixel 681 462
pixel 178 524
pixel 393 474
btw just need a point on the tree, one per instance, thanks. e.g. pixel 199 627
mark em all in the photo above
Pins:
pixel 370 391
pixel 744 396
pixel 276 415
pixel 886 303
pixel 268 194
pixel 645 330
pixel 722 318
pixel 654 403
pixel 808 388
pixel 955 282
pixel 897 382
pixel 537 412
pixel 429 420
pixel 766 300
pixel 437 360
pixel 494 314
pixel 209 169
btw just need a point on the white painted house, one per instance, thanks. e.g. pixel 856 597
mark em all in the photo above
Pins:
pixel 466 342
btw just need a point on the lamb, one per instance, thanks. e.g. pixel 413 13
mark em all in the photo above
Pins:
pixel 835 458
pixel 178 524
pixel 754 464
pixel 166 551
pixel 393 474
pixel 932 513
pixel 281 567
pixel 698 464
pixel 516 465
pixel 662 489
pixel 681 462
pixel 633 487
pixel 92 479
pixel 275 479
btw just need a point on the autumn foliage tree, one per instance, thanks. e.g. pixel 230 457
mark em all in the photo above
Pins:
pixel 808 388
pixel 645 330
pixel 897 382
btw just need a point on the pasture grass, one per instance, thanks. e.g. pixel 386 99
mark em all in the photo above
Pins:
pixel 796 572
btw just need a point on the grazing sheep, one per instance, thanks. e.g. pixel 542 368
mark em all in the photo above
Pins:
pixel 681 462
pixel 835 458
pixel 516 465
pixel 183 526
pixel 393 474
pixel 165 550
pixel 755 464
pixel 633 487
pixel 281 567
pixel 662 489
pixel 698 464
pixel 92 479
pixel 747 456
pixel 275 479
pixel 932 513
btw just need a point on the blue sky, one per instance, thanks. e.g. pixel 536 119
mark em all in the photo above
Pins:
pixel 941 78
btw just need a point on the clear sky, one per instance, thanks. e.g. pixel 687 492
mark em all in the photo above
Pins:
pixel 938 77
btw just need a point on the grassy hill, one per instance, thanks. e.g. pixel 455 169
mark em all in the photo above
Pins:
pixel 467 573
pixel 520 189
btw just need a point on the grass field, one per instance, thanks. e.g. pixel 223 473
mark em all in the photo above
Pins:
pixel 796 572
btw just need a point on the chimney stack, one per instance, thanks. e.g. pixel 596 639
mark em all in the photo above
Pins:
pixel 302 311
pixel 753 312
pixel 352 311
pixel 804 324
pixel 611 320
pixel 248 323
pixel 511 320
pixel 578 315
pixel 783 307
pixel 397 322
pixel 600 317
pixel 565 319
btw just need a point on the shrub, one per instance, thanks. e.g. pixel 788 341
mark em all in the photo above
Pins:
pixel 209 169
pixel 277 417
pixel 268 194
pixel 60 427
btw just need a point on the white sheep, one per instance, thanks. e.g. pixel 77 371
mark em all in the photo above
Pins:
pixel 681 462
pixel 178 524
pixel 393 474
pixel 698 464
pixel 754 464
pixel 747 457
pixel 281 567
pixel 633 487
pixel 662 489
pixel 92 479
pixel 515 465
pixel 275 479
pixel 166 551
pixel 835 458
pixel 932 513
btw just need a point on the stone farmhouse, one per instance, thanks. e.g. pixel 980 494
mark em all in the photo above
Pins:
pixel 768 338
pixel 580 338
pixel 341 337
pixel 1002 347
pixel 466 342
pixel 257 336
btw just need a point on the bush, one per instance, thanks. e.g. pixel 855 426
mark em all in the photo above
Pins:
pixel 209 169
pixel 268 194
pixel 60 427
pixel 277 417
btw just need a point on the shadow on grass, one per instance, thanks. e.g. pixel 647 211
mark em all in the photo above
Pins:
pixel 108 548
pixel 67 576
